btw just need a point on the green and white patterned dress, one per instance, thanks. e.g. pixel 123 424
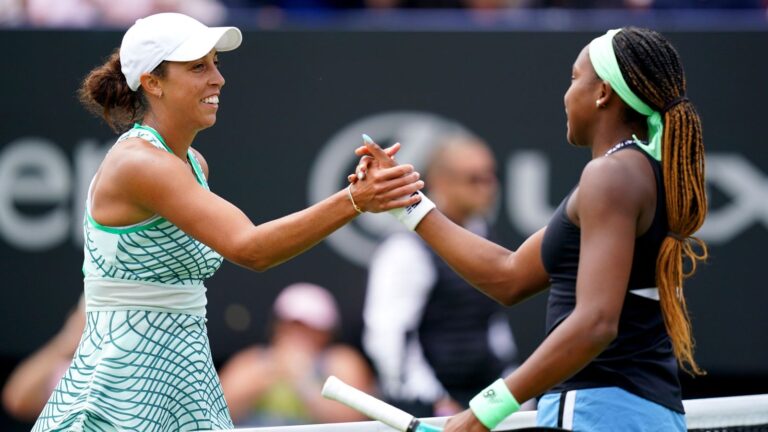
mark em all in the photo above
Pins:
pixel 144 361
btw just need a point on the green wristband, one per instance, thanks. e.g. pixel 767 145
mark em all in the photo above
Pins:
pixel 495 403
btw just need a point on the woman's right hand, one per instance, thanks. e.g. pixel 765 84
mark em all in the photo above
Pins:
pixel 379 184
pixel 464 421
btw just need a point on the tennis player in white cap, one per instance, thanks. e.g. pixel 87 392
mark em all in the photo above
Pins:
pixel 154 232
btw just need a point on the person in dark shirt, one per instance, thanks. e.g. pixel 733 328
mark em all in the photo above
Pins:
pixel 613 253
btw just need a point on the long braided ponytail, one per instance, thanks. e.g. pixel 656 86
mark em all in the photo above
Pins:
pixel 653 70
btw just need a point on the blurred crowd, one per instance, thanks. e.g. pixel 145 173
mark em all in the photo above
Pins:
pixel 496 4
pixel 109 13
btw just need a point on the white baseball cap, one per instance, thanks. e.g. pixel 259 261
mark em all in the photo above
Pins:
pixel 307 303
pixel 171 37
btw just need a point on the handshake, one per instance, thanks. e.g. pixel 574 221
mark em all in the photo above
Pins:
pixel 380 184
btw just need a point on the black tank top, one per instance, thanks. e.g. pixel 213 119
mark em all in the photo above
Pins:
pixel 640 359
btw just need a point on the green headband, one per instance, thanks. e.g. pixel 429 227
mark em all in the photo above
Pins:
pixel 604 61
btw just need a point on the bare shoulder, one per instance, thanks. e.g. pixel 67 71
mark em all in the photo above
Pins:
pixel 246 368
pixel 343 354
pixel 348 364
pixel 201 160
pixel 138 164
pixel 250 356
pixel 622 181
pixel 136 156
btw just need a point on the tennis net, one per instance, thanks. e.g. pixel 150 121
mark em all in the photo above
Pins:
pixel 727 414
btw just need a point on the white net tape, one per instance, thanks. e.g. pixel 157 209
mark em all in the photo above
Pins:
pixel 701 414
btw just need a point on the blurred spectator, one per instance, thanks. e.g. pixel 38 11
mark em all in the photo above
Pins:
pixel 295 4
pixel 708 4
pixel 446 4
pixel 88 13
pixel 508 4
pixel 30 385
pixel 11 12
pixel 647 4
pixel 433 338
pixel 280 384
pixel 594 4
pixel 379 4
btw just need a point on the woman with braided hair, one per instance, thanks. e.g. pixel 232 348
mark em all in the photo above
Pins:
pixel 613 254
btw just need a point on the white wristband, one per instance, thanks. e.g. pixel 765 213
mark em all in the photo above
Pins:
pixel 413 214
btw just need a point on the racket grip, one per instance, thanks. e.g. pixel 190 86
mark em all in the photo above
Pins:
pixel 376 409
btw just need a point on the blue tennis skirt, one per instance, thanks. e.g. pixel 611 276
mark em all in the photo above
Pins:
pixel 606 409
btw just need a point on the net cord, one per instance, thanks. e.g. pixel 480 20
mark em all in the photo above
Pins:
pixel 701 414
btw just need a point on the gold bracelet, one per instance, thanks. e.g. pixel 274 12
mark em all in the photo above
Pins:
pixel 352 200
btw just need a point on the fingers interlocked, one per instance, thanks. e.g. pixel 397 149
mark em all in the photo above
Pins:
pixel 379 183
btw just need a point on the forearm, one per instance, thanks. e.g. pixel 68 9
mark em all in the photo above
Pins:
pixel 570 347
pixel 274 242
pixel 323 410
pixel 240 402
pixel 30 385
pixel 506 276
pixel 567 350
pixel 350 367
pixel 244 380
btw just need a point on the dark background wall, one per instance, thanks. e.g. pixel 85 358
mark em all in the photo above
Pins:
pixel 293 108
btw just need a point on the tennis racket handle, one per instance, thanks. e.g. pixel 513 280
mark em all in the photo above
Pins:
pixel 376 409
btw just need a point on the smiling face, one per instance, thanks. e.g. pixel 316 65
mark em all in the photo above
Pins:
pixel 579 100
pixel 190 91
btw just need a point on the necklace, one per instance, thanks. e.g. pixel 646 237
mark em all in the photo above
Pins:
pixel 618 147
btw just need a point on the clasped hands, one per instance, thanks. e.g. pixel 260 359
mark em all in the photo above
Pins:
pixel 379 183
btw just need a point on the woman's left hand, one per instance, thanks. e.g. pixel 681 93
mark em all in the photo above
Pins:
pixel 464 421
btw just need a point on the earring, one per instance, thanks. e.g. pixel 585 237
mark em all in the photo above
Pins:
pixel 597 104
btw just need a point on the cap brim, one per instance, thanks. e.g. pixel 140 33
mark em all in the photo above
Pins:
pixel 197 46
